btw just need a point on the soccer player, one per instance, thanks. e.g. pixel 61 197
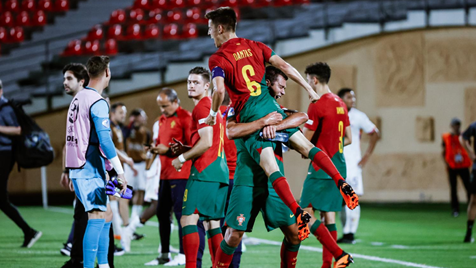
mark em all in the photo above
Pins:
pixel 239 64
pixel 209 172
pixel 328 128
pixel 174 124
pixel 87 134
pixel 465 139
pixel 355 161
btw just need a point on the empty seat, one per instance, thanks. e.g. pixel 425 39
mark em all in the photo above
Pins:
pixel 189 30
pixel 229 3
pixel 16 35
pixel 115 31
pixel 155 16
pixel 92 47
pixel 152 31
pixel 280 3
pixel 61 6
pixel 171 31
pixel 96 33
pixel 143 4
pixel 74 48
pixel 23 19
pixel 133 32
pixel 3 35
pixel 194 15
pixel 12 5
pixel 45 5
pixel 136 15
pixel 28 5
pixel 6 19
pixel 174 16
pixel 110 47
pixel 176 4
pixel 118 16
pixel 39 18
pixel 162 4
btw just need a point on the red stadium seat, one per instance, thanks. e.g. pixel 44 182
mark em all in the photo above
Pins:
pixel 193 15
pixel 248 2
pixel 171 31
pixel 133 32
pixel 92 47
pixel 263 3
pixel 28 5
pixel 176 4
pixel 95 33
pixel 143 4
pixel 6 19
pixel 45 5
pixel 136 15
pixel 152 31
pixel 155 16
pixel 74 48
pixel 23 19
pixel 16 35
pixel 118 16
pixel 229 3
pixel 209 3
pixel 110 47
pixel 39 18
pixel 280 3
pixel 194 3
pixel 162 4
pixel 174 16
pixel 12 5
pixel 61 6
pixel 115 31
pixel 190 31
pixel 3 35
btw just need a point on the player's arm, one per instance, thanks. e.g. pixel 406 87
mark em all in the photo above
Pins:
pixel 100 118
pixel 292 73
pixel 235 130
pixel 11 127
pixel 218 78
pixel 374 136
pixel 348 136
pixel 292 121
pixel 203 144
pixel 465 140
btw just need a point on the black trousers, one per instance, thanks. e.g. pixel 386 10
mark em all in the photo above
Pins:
pixel 453 178
pixel 80 224
pixel 6 165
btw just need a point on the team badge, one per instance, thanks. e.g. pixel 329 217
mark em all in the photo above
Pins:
pixel 105 123
pixel 309 122
pixel 231 112
pixel 240 219
pixel 73 111
pixel 172 125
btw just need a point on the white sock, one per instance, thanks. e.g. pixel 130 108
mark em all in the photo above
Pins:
pixel 136 211
pixel 355 218
pixel 135 222
pixel 104 265
pixel 347 225
pixel 116 218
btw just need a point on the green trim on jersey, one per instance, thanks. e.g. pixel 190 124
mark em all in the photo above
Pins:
pixel 217 171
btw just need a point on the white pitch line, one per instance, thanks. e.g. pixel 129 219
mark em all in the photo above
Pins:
pixel 361 256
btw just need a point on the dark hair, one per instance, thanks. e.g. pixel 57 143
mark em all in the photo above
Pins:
pixel 272 74
pixel 137 112
pixel 116 105
pixel 170 93
pixel 224 16
pixel 321 70
pixel 343 91
pixel 97 65
pixel 201 71
pixel 79 71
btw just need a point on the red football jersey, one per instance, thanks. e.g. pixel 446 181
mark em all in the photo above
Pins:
pixel 176 126
pixel 199 114
pixel 328 118
pixel 230 147
pixel 244 64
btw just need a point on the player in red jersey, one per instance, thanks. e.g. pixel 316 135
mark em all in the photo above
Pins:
pixel 207 187
pixel 239 65
pixel 328 128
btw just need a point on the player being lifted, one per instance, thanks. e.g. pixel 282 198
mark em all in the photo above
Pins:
pixel 239 65
pixel 207 186
pixel 328 128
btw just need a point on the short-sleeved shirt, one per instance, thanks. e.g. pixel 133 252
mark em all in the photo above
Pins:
pixel 358 122
pixel 328 119
pixel 213 160
pixel 230 147
pixel 467 134
pixel 175 126
pixel 135 143
pixel 7 119
pixel 117 136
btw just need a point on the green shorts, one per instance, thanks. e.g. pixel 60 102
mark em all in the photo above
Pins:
pixel 321 194
pixel 208 199
pixel 246 202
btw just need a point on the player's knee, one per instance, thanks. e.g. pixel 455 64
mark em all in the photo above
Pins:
pixel 293 238
pixel 233 237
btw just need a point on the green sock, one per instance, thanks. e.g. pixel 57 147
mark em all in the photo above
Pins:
pixel 227 249
pixel 211 233
pixel 331 227
pixel 315 226
pixel 291 247
pixel 189 229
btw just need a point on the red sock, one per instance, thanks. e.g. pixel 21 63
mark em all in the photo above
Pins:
pixel 214 245
pixel 326 254
pixel 281 186
pixel 222 260
pixel 288 258
pixel 191 243
pixel 323 161
pixel 324 236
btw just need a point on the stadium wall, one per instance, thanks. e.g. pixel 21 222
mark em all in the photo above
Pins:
pixel 409 83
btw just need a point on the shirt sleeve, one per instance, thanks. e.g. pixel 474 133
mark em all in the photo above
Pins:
pixel 267 51
pixel 366 125
pixel 155 133
pixel 199 115
pixel 470 131
pixel 100 117
pixel 9 116
pixel 187 130
pixel 313 114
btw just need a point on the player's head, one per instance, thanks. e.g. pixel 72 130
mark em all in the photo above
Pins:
pixel 118 112
pixel 318 74
pixel 139 117
pixel 276 80
pixel 455 125
pixel 348 96
pixel 168 101
pixel 75 77
pixel 221 22
pixel 98 69
pixel 198 82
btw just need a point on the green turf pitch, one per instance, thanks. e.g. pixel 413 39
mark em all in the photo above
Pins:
pixel 409 235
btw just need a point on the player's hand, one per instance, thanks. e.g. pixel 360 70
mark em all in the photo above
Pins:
pixel 177 164
pixel 176 146
pixel 71 186
pixel 269 132
pixel 64 181
pixel 364 160
pixel 113 188
pixel 211 120
pixel 313 96
pixel 272 118
pixel 122 183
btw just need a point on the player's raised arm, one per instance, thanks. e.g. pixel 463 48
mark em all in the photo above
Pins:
pixel 218 95
pixel 290 71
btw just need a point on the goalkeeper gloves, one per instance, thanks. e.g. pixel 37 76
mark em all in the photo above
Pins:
pixel 113 188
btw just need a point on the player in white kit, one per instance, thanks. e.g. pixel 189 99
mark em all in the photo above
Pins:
pixel 359 122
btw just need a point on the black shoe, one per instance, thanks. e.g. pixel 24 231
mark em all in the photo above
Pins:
pixel 71 264
pixel 30 238
pixel 66 250
pixel 118 251
pixel 136 236
pixel 346 239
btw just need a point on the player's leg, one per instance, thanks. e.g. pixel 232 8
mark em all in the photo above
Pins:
pixel 321 159
pixel 466 178
pixel 191 239
pixel 124 210
pixel 329 220
pixel 224 254
pixel 471 209
pixel 235 263
pixel 452 177
pixel 290 246
pixel 164 207
pixel 214 235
